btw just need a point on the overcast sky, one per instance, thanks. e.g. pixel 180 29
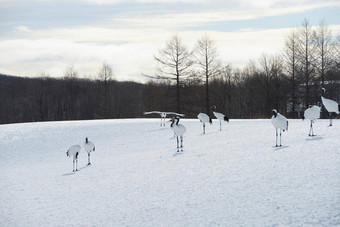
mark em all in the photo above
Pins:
pixel 47 36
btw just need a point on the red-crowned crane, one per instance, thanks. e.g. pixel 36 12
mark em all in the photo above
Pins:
pixel 74 152
pixel 221 117
pixel 163 115
pixel 88 147
pixel 312 113
pixel 279 122
pixel 204 118
pixel 179 130
pixel 330 105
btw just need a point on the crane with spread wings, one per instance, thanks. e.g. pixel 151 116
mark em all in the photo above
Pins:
pixel 163 115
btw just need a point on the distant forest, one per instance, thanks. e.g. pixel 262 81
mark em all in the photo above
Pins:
pixel 189 82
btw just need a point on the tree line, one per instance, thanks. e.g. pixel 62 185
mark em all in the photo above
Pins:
pixel 189 82
pixel 289 81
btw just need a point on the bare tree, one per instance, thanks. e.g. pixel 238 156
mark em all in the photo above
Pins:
pixel 220 89
pixel 175 64
pixel 337 48
pixel 226 74
pixel 265 69
pixel 306 51
pixel 324 52
pixel 105 75
pixel 206 54
pixel 270 75
pixel 323 37
pixel 70 76
pixel 70 73
pixel 41 97
pixel 277 73
pixel 291 63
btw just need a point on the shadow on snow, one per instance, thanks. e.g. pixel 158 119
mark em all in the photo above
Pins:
pixel 314 138
pixel 280 148
pixel 72 173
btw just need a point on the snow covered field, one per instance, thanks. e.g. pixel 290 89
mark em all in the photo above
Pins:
pixel 230 178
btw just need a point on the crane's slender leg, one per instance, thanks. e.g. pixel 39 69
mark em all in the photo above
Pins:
pixel 161 121
pixel 203 128
pixel 73 164
pixel 280 137
pixel 220 126
pixel 88 157
pixel 77 161
pixel 330 120
pixel 310 128
pixel 177 145
pixel 276 137
pixel 181 143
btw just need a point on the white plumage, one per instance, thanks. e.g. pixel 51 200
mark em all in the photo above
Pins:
pixel 204 118
pixel 163 115
pixel 179 130
pixel 330 105
pixel 312 113
pixel 221 117
pixel 279 122
pixel 89 147
pixel 74 152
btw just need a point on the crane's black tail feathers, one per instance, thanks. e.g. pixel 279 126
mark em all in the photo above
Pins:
pixel 226 118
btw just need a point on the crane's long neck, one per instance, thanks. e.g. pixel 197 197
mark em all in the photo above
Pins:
pixel 322 92
pixel 275 114
pixel 177 120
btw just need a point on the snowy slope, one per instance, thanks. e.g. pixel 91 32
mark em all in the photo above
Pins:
pixel 230 178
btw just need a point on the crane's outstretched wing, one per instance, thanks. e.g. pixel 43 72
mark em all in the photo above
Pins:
pixel 182 115
pixel 153 112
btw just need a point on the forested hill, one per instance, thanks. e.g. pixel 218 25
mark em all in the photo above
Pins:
pixel 242 94
pixel 25 99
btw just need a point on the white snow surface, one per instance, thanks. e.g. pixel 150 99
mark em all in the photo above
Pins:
pixel 233 177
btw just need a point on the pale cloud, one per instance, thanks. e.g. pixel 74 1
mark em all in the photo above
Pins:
pixel 235 3
pixel 149 29
pixel 129 60
pixel 185 20
pixel 23 29
pixel 53 56
pixel 129 43
pixel 154 28
pixel 108 2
